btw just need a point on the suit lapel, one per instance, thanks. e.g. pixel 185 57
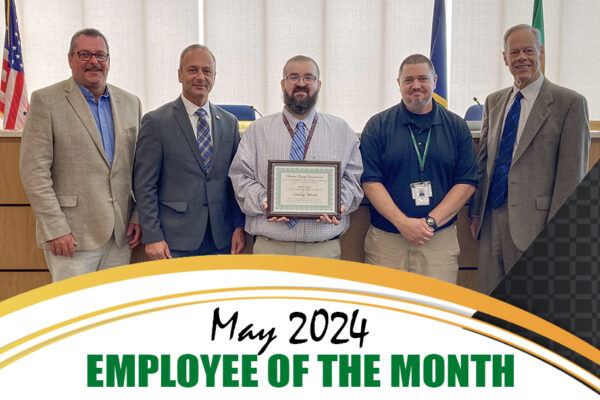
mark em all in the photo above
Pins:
pixel 188 133
pixel 115 104
pixel 539 113
pixel 82 109
pixel 217 131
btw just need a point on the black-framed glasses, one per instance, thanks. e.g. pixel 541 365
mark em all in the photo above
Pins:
pixel 85 55
pixel 294 78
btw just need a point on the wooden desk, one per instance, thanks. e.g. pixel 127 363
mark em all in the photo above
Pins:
pixel 23 267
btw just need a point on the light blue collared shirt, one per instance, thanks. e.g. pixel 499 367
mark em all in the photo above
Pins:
pixel 102 112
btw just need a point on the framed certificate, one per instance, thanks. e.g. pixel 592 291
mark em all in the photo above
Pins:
pixel 303 189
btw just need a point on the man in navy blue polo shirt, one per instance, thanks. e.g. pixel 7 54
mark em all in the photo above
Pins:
pixel 419 171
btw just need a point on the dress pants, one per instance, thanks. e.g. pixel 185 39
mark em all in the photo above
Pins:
pixel 497 251
pixel 207 247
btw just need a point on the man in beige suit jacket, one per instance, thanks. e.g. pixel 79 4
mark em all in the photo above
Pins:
pixel 77 155
pixel 541 169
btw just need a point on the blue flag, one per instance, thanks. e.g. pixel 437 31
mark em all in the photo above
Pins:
pixel 438 52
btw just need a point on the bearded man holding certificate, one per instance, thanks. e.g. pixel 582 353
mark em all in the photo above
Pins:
pixel 296 174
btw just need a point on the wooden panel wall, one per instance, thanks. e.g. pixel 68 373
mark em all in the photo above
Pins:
pixel 11 191
pixel 22 264
pixel 17 240
pixel 23 267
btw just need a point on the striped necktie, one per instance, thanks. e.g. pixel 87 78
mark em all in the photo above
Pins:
pixel 203 137
pixel 499 185
pixel 297 154
pixel 298 142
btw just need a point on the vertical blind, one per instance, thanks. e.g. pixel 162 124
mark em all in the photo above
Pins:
pixel 358 44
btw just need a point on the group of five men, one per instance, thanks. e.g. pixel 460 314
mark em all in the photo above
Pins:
pixel 187 185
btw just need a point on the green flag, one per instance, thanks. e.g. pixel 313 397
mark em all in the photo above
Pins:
pixel 538 23
pixel 538 17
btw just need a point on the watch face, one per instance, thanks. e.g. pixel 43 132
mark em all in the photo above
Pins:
pixel 430 221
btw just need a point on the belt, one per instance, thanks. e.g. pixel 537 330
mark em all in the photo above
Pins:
pixel 333 238
pixel 318 241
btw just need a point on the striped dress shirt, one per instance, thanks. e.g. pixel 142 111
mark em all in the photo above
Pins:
pixel 268 139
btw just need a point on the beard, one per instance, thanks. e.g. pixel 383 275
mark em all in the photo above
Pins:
pixel 419 103
pixel 300 106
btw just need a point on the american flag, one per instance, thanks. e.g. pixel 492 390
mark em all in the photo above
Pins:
pixel 13 93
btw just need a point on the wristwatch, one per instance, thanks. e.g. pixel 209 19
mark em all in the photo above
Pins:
pixel 431 222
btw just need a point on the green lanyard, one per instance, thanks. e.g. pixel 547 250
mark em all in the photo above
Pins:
pixel 421 158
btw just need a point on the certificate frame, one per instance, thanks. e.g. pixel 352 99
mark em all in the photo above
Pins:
pixel 303 189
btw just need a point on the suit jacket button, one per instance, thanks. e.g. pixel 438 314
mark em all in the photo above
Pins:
pixel 110 200
pixel 205 204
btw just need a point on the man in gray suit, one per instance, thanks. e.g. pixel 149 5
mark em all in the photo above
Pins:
pixel 76 164
pixel 533 152
pixel 185 198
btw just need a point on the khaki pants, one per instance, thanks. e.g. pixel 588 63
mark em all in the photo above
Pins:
pixel 85 261
pixel 438 258
pixel 325 249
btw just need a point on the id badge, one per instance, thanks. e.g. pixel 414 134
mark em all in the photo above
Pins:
pixel 421 192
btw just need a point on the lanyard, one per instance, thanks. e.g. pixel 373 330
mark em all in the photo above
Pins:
pixel 421 158
pixel 310 133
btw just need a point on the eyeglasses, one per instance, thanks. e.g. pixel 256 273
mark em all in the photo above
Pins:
pixel 86 55
pixel 294 78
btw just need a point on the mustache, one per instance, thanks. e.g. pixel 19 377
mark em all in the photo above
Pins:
pixel 93 67
pixel 300 89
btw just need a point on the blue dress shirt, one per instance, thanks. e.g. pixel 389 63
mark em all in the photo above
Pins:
pixel 102 112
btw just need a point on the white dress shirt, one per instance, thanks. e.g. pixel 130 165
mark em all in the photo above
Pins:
pixel 530 94
pixel 191 109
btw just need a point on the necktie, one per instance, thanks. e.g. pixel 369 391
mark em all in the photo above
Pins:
pixel 203 137
pixel 499 186
pixel 297 154
pixel 298 142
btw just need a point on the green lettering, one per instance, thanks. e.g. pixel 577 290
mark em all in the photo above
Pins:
pixel 248 370
pixel 229 370
pixel 121 371
pixel 210 368
pixel 279 370
pixel 327 362
pixel 93 370
pixel 507 370
pixel 480 360
pixel 299 370
pixel 165 371
pixel 148 364
pixel 371 370
pixel 458 371
pixel 349 369
pixel 188 370
pixel 433 370
pixel 406 371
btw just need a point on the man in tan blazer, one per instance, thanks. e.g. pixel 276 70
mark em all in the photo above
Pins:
pixel 528 171
pixel 77 156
